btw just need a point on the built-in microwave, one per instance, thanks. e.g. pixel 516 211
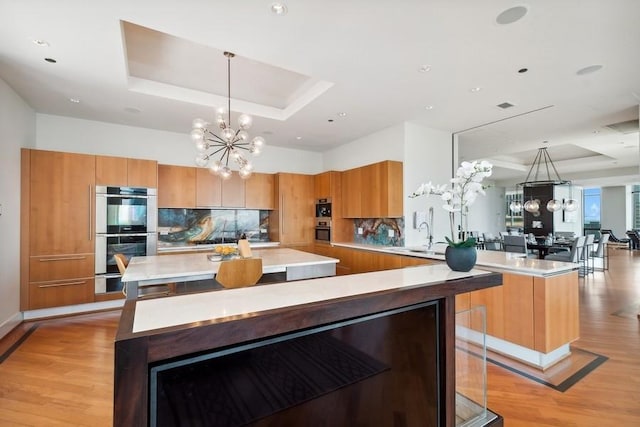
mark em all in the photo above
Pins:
pixel 323 230
pixel 126 210
pixel 323 208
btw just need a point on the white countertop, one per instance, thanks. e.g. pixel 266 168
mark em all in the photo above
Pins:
pixel 497 261
pixel 186 247
pixel 245 302
pixel 159 267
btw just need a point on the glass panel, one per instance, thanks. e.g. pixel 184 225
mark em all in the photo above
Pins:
pixel 471 368
pixel 591 206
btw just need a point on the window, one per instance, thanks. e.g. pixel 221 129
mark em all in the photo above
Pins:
pixel 635 193
pixel 591 206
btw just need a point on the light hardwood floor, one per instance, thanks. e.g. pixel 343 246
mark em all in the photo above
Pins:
pixel 62 373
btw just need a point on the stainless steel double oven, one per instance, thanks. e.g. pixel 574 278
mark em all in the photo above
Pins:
pixel 126 222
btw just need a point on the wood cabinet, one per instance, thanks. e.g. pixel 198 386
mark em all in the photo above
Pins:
pixel 122 171
pixel 292 223
pixel 322 185
pixel 363 261
pixel 176 186
pixel 192 187
pixel 259 191
pixel 57 229
pixel 208 189
pixel 351 189
pixel 373 191
pixel 538 313
pixel 233 192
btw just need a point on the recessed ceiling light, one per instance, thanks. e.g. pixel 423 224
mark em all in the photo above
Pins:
pixel 41 43
pixel 279 8
pixel 342 114
pixel 330 120
pixel 298 138
pixel 511 15
pixel 133 110
pixel 596 131
pixel 523 70
pixel 545 142
pixel 428 107
pixel 53 61
pixel 476 89
pixel 74 100
pixel 588 70
pixel 425 68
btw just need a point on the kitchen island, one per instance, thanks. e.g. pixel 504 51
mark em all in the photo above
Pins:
pixel 533 317
pixel 366 320
pixel 159 269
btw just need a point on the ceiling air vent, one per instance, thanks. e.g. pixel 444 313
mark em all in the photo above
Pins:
pixel 505 105
pixel 630 126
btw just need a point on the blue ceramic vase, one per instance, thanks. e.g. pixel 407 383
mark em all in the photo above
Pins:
pixel 460 259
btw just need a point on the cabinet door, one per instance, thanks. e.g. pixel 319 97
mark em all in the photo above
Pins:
pixel 351 189
pixel 372 178
pixel 142 173
pixel 233 192
pixel 61 202
pixel 111 171
pixel 208 189
pixel 176 186
pixel 392 190
pixel 259 191
pixel 296 209
pixel 322 185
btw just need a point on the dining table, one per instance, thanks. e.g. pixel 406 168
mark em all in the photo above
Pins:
pixel 543 249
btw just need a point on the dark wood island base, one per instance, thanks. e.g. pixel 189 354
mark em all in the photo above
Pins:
pixel 380 358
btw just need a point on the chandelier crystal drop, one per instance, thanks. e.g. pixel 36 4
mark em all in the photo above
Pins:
pixel 227 143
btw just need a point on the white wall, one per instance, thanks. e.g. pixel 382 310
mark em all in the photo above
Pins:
pixel 427 157
pixel 85 136
pixel 17 129
pixel 384 145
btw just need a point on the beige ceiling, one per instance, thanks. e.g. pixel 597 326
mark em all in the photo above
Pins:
pixel 159 64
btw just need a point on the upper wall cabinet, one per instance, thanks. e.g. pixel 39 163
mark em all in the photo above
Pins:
pixel 176 186
pixel 214 192
pixel 121 171
pixel 259 191
pixel 373 191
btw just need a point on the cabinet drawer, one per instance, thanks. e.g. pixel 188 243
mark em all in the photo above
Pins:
pixel 60 267
pixel 61 292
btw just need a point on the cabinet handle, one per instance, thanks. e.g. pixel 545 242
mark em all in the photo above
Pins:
pixel 56 285
pixel 66 258
pixel 90 215
pixel 282 212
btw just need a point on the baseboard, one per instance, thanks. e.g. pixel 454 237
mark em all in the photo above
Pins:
pixel 72 309
pixel 8 325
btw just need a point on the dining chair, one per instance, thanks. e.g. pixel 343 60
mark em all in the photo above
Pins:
pixel 516 244
pixel 600 252
pixel 574 255
pixel 148 291
pixel 491 242
pixel 587 266
pixel 237 273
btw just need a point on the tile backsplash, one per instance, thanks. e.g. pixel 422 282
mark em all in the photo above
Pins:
pixel 376 231
pixel 176 226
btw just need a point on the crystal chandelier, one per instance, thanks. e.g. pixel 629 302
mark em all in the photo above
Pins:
pixel 543 162
pixel 227 142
